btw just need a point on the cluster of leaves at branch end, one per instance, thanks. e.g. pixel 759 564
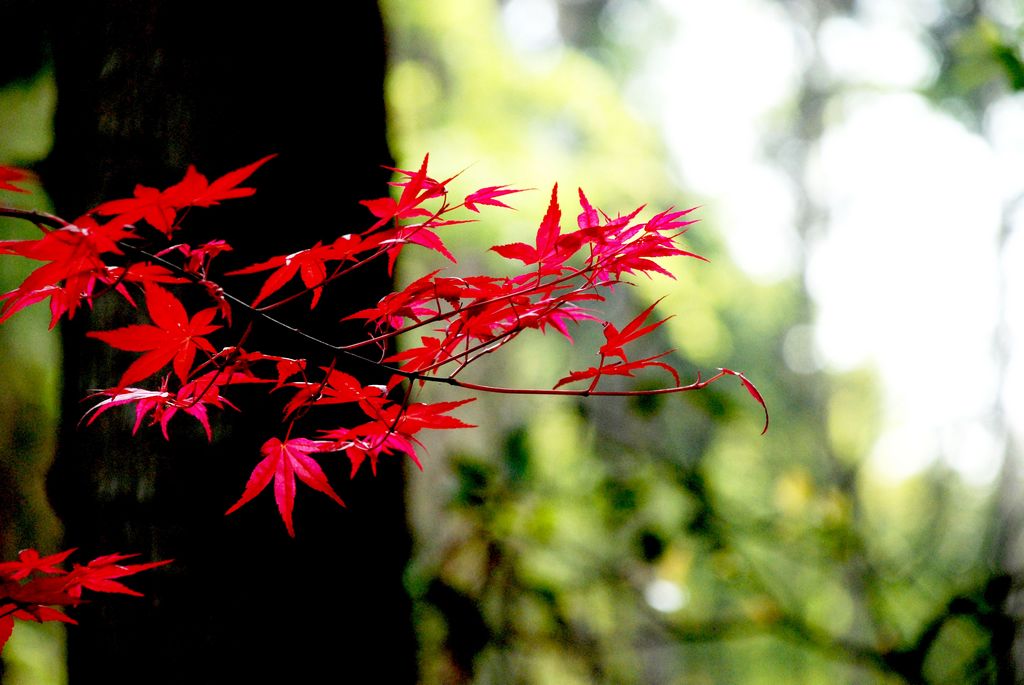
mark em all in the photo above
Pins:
pixel 37 588
pixel 447 321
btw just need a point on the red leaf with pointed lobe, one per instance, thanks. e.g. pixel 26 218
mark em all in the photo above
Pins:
pixel 521 251
pixel 197 258
pixel 174 337
pixel 309 264
pixel 156 208
pixel 488 196
pixel 33 586
pixel 753 393
pixel 227 186
pixel 419 416
pixel 75 266
pixel 415 191
pixel 192 399
pixel 615 339
pixel 10 175
pixel 99 574
pixel 392 429
pixel 546 245
pixel 286 367
pixel 429 352
pixel 336 388
pixel 589 217
pixel 145 401
pixel 30 562
pixel 159 208
pixel 282 463
pixel 6 627
pixel 619 369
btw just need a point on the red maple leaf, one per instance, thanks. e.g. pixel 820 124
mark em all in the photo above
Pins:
pixel 415 191
pixel 337 387
pixel 615 339
pixel 74 256
pixel 488 196
pixel 283 462
pixel 174 337
pixel 392 309
pixel 98 575
pixel 619 369
pixel 309 264
pixel 546 248
pixel 392 429
pixel 753 393
pixel 224 188
pixel 159 208
pixel 429 353
pixel 9 176
pixel 30 562
pixel 31 587
pixel 198 258
pixel 192 399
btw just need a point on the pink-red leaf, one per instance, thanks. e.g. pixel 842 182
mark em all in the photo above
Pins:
pixel 619 369
pixel 754 392
pixel 227 186
pixel 546 248
pixel 159 208
pixel 521 251
pixel 99 574
pixel 488 196
pixel 6 627
pixel 282 462
pixel 615 339
pixel 30 562
pixel 174 337
pixel 10 175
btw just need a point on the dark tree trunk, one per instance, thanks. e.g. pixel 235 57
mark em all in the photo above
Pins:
pixel 146 88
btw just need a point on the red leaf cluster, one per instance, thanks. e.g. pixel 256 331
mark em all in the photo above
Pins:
pixel 447 321
pixel 35 588
pixel 77 253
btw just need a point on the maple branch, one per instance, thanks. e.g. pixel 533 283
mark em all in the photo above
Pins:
pixel 340 272
pixel 485 348
pixel 448 380
pixel 35 216
pixel 254 311
pixel 475 315
pixel 406 396
pixel 415 376
pixel 492 344
pixel 347 349
pixel 526 290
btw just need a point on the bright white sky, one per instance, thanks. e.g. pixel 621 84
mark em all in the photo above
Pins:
pixel 904 269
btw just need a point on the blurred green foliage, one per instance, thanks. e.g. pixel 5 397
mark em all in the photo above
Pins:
pixel 660 539
pixel 29 365
pixel 984 57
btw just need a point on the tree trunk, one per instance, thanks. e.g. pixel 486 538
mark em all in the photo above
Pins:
pixel 146 88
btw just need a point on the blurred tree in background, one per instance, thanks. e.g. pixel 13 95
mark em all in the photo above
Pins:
pixel 662 540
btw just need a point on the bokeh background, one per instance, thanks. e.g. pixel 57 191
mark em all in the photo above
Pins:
pixel 860 172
